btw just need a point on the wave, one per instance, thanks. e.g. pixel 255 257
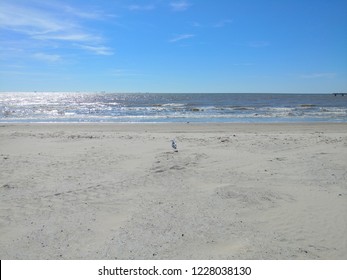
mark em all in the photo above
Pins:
pixel 174 105
pixel 239 108
pixel 68 107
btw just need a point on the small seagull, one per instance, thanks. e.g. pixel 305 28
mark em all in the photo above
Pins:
pixel 174 145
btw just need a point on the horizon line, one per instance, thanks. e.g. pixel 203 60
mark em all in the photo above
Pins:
pixel 162 92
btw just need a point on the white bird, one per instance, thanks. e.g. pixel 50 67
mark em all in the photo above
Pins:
pixel 174 145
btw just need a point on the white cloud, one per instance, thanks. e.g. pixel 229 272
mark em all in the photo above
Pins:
pixel 196 24
pixel 27 20
pixel 181 37
pixel 73 37
pixel 99 50
pixel 52 22
pixel 179 6
pixel 223 23
pixel 94 14
pixel 47 57
pixel 318 75
pixel 141 7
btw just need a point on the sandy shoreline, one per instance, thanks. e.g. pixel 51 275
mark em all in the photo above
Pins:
pixel 119 191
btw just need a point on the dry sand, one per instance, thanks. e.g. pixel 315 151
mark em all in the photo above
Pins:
pixel 119 191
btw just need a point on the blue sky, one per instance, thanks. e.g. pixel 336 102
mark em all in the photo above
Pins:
pixel 297 46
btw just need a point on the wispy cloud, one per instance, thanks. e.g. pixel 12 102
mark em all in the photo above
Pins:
pixel 46 24
pixel 181 37
pixel 148 7
pixel 27 20
pixel 178 6
pixel 47 57
pixel 223 23
pixel 72 37
pixel 91 14
pixel 196 24
pixel 318 75
pixel 99 50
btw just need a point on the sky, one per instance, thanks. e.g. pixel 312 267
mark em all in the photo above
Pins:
pixel 267 46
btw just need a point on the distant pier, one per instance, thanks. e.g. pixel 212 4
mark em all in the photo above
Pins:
pixel 341 94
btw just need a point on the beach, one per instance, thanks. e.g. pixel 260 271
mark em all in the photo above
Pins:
pixel 120 191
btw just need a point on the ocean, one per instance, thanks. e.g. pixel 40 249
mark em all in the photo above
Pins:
pixel 66 107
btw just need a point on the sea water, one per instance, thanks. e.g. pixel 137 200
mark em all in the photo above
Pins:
pixel 149 107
